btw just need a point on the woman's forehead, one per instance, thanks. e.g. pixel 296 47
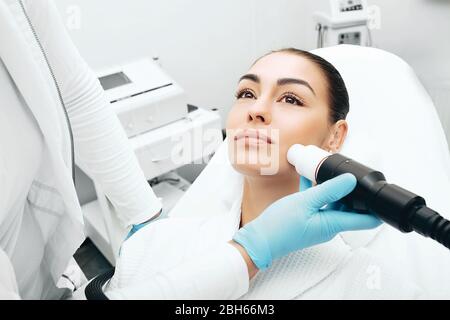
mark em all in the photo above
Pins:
pixel 280 65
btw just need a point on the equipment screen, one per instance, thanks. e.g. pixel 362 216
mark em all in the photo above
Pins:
pixel 114 80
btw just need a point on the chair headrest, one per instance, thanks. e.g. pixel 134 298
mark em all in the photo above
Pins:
pixel 393 127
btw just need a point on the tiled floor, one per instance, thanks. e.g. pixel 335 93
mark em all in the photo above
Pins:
pixel 90 260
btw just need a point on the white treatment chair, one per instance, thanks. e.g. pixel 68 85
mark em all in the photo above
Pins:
pixel 394 128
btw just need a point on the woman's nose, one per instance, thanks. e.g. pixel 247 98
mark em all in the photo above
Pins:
pixel 260 111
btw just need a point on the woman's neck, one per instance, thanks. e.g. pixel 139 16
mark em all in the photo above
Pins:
pixel 261 191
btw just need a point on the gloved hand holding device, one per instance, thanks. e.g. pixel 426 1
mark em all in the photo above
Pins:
pixel 299 220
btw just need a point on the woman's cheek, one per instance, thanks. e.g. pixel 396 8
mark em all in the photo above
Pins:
pixel 296 133
pixel 231 119
pixel 302 133
pixel 308 130
pixel 236 118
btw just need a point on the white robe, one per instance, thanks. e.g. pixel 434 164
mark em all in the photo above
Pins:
pixel 41 223
pixel 187 256
pixel 381 263
pixel 331 270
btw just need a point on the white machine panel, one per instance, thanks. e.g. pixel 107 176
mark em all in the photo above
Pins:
pixel 159 151
pixel 342 22
pixel 179 143
pixel 143 96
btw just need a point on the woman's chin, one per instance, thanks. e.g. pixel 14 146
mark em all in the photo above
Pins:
pixel 255 169
pixel 253 161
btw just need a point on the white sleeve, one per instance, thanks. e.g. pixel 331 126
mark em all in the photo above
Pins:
pixel 219 274
pixel 179 258
pixel 101 144
pixel 8 284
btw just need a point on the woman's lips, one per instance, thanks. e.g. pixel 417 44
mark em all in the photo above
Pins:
pixel 253 135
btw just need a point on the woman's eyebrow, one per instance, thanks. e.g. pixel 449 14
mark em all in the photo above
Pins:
pixel 251 77
pixel 285 81
pixel 280 82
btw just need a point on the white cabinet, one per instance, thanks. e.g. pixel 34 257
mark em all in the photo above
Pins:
pixel 159 151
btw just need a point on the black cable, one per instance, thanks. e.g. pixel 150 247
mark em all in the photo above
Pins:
pixel 158 180
pixel 94 290
pixel 172 180
pixel 430 224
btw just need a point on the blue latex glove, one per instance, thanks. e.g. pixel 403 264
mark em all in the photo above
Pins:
pixel 137 227
pixel 297 221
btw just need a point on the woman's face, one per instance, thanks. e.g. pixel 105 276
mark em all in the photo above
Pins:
pixel 281 101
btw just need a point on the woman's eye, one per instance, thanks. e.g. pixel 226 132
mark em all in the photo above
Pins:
pixel 245 94
pixel 292 100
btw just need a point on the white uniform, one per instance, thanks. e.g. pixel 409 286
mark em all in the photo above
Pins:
pixel 40 217
pixel 333 270
pixel 173 258
pixel 41 223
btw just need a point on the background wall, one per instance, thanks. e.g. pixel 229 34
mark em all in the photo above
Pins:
pixel 206 45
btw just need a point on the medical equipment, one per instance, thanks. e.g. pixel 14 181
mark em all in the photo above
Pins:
pixel 143 96
pixel 399 207
pixel 342 22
